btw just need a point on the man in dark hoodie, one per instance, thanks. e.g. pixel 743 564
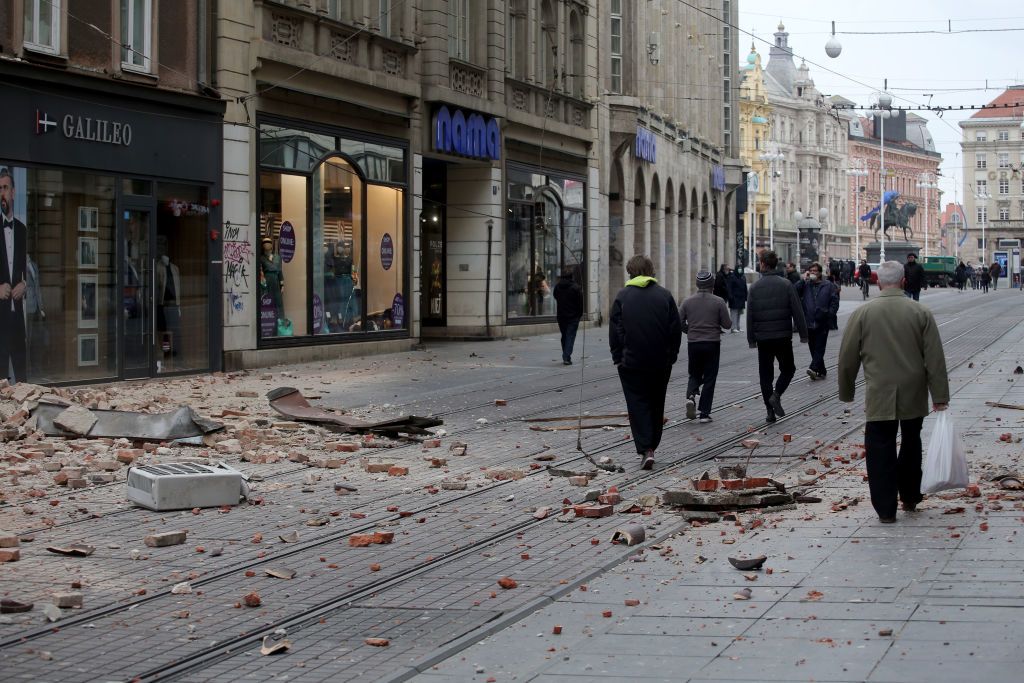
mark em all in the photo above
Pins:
pixel 644 334
pixel 773 309
pixel 569 298
pixel 703 317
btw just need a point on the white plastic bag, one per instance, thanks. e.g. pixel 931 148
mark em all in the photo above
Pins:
pixel 945 465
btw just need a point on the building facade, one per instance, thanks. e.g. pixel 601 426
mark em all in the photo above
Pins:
pixel 755 135
pixel 808 132
pixel 993 151
pixel 668 139
pixel 110 178
pixel 953 230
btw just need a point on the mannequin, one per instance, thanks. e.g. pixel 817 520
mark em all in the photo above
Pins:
pixel 168 301
pixel 347 281
pixel 271 276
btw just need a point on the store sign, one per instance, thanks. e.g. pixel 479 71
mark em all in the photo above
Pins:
pixel 646 148
pixel 318 314
pixel 387 251
pixel 86 128
pixel 468 135
pixel 286 242
pixel 398 310
pixel 718 178
pixel 268 316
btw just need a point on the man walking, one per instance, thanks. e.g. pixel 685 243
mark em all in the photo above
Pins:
pixel 721 289
pixel 864 275
pixel 820 299
pixel 703 316
pixel 897 342
pixel 644 335
pixel 773 309
pixel 994 271
pixel 913 273
pixel 569 300
pixel 737 286
pixel 791 273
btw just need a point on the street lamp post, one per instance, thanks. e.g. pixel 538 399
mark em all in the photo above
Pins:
pixel 771 157
pixel 857 172
pixel 926 182
pixel 984 197
pixel 882 111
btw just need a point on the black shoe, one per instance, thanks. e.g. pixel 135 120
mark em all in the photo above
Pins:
pixel 567 361
pixel 691 408
pixel 648 462
pixel 887 520
pixel 704 419
pixel 771 417
pixel 775 401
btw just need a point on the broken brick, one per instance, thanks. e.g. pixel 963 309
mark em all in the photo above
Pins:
pixel 252 599
pixel 165 539
pixel 383 537
pixel 343 446
pixel 377 642
pixel 9 541
pixel 68 600
pixel 507 582
pixel 593 510
pixel 9 555
pixel 397 471
pixel 378 467
pixel 631 602
pixel 432 443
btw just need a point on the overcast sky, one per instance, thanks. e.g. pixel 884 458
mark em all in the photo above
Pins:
pixel 953 68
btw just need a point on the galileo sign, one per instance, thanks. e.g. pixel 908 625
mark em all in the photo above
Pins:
pixel 466 134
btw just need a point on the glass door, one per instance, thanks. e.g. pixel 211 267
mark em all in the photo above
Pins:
pixel 137 293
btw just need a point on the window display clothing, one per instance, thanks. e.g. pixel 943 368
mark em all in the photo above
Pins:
pixel 168 301
pixel 273 279
pixel 346 282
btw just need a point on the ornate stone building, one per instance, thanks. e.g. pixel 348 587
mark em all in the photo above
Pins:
pixel 754 141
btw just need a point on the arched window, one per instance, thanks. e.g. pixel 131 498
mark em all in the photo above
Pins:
pixel 578 66
pixel 517 39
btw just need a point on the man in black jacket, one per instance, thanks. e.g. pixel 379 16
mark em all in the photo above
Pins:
pixel 820 299
pixel 772 311
pixel 913 273
pixel 569 299
pixel 644 334
pixel 791 272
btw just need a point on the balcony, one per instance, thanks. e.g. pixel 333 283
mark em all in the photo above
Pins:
pixel 556 106
pixel 1008 225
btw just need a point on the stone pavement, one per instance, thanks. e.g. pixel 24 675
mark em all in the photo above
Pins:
pixel 939 596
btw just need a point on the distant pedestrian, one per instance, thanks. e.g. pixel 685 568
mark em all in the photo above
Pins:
pixel 569 301
pixel 820 299
pixel 737 286
pixel 984 279
pixel 773 311
pixel 960 276
pixel 914 278
pixel 972 275
pixel 864 276
pixel 644 335
pixel 703 316
pixel 897 342
pixel 792 274
pixel 995 270
pixel 721 290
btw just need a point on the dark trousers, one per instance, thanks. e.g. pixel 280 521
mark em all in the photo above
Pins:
pixel 702 367
pixel 645 400
pixel 890 473
pixel 916 296
pixel 568 327
pixel 768 352
pixel 817 340
pixel 995 284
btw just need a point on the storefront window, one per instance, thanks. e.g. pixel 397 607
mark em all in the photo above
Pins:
pixel 344 272
pixel 545 235
pixel 59 322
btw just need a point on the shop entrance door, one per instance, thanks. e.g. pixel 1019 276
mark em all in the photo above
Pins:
pixel 137 314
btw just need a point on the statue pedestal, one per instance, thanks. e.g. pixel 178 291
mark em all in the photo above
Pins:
pixel 896 250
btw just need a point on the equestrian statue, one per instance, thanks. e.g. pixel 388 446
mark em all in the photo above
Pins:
pixel 893 217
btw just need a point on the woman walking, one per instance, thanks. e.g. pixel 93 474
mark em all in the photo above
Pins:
pixel 736 284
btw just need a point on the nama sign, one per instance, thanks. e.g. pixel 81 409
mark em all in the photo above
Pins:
pixel 471 135
pixel 646 147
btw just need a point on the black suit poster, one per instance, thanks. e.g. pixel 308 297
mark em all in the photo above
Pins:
pixel 12 312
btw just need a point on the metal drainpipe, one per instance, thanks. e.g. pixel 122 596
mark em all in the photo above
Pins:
pixel 487 284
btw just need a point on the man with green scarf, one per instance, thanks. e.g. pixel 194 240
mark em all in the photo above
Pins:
pixel 644 335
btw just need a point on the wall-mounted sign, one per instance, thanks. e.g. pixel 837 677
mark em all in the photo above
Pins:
pixel 718 178
pixel 398 310
pixel 646 147
pixel 286 242
pixel 86 128
pixel 268 316
pixel 466 134
pixel 387 251
pixel 318 314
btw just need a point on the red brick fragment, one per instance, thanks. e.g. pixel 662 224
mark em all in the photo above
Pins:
pixel 252 599
pixel 507 582
pixel 377 642
pixel 632 602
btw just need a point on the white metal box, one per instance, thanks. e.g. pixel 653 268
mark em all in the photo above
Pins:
pixel 186 485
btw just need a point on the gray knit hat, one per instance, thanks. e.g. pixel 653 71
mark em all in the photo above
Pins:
pixel 705 280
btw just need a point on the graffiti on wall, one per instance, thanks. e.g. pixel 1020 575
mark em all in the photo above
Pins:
pixel 238 269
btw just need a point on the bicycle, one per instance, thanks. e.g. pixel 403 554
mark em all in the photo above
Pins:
pixel 865 288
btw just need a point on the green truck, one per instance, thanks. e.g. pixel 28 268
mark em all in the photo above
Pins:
pixel 938 270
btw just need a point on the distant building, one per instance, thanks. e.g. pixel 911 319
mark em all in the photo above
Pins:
pixel 755 134
pixel 952 226
pixel 993 146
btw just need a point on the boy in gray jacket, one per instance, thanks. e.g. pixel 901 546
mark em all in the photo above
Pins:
pixel 703 317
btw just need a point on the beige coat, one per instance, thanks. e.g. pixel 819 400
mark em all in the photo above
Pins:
pixel 897 341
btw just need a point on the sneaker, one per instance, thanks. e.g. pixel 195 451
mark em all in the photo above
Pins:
pixel 812 374
pixel 691 408
pixel 887 520
pixel 775 401
pixel 648 462
pixel 704 419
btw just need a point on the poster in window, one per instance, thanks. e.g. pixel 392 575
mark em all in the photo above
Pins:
pixel 14 273
pixel 88 252
pixel 88 219
pixel 88 350
pixel 87 300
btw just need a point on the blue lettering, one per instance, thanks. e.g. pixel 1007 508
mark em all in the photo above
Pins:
pixel 645 147
pixel 460 143
pixel 443 130
pixel 470 135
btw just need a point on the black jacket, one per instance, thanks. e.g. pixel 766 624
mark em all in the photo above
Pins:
pixel 793 277
pixel 569 298
pixel 773 310
pixel 644 331
pixel 821 303
pixel 914 273
pixel 737 286
pixel 721 289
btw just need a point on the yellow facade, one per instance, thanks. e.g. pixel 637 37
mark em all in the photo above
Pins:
pixel 755 124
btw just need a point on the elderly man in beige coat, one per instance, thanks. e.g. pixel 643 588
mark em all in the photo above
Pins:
pixel 897 341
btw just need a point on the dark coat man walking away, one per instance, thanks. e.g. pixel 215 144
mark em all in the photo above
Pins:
pixel 913 273
pixel 644 334
pixel 897 342
pixel 773 310
pixel 995 270
pixel 737 285
pixel 791 273
pixel 985 278
pixel 820 299
pixel 721 289
pixel 703 316
pixel 569 299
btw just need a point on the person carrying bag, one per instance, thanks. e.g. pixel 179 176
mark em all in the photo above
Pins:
pixel 945 465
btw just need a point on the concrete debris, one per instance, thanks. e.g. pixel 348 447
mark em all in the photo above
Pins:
pixel 275 643
pixel 168 538
pixel 183 588
pixel 12 606
pixel 52 612
pixel 280 572
pixel 74 549
pixel 58 419
pixel 631 534
pixel 747 564
pixel 75 420
pixel 292 404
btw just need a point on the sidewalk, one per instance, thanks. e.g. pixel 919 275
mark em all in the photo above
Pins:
pixel 936 597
